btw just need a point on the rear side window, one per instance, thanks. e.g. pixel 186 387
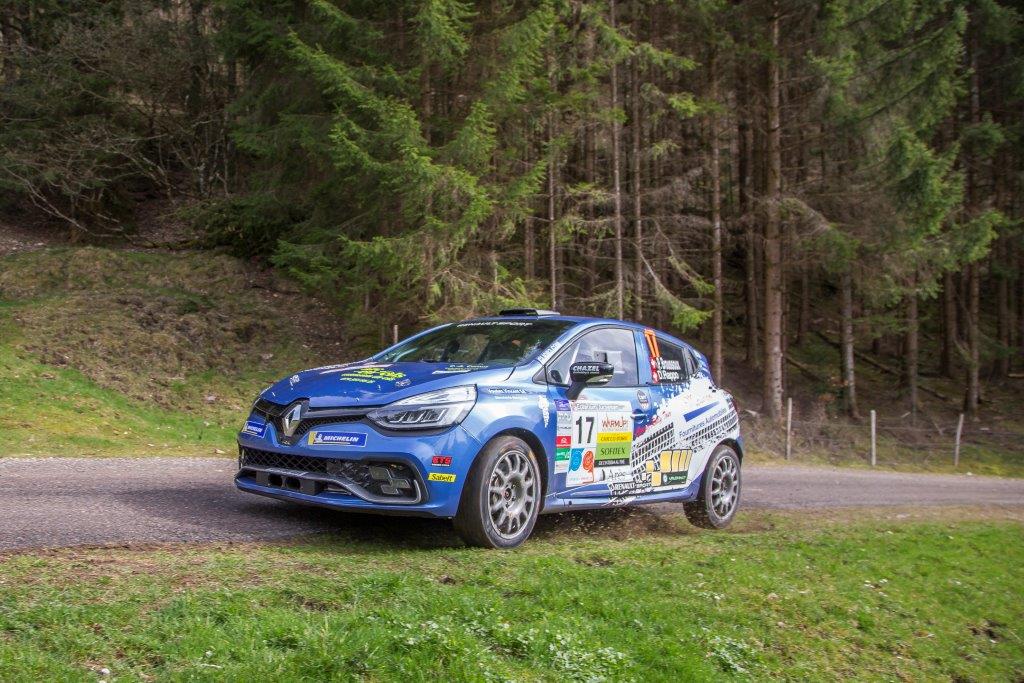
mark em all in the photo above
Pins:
pixel 674 364
pixel 607 345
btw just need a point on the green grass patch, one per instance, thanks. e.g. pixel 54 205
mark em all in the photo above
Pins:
pixel 114 352
pixel 385 601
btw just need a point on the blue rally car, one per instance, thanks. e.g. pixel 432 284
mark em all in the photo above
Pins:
pixel 494 420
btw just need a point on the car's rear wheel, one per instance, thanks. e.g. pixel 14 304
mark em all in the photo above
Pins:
pixel 502 496
pixel 719 496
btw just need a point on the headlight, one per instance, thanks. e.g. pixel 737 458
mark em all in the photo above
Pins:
pixel 432 410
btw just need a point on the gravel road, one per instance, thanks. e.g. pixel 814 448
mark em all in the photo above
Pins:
pixel 55 502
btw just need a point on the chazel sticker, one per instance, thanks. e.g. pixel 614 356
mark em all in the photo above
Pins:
pixel 336 439
pixel 254 428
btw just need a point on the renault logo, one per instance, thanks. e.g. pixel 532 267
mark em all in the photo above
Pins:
pixel 291 419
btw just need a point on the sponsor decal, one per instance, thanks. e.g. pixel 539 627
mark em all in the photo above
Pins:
pixel 542 403
pixel 698 412
pixel 254 428
pixel 563 441
pixel 653 353
pixel 506 392
pixel 446 477
pixel 328 369
pixel 371 374
pixel 441 461
pixel 402 383
pixel 293 380
pixel 589 368
pixel 336 439
pixel 562 405
pixel 601 438
pixel 671 468
pixel 490 323
pixel 643 399
pixel 458 368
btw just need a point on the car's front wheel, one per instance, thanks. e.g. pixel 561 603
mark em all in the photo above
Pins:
pixel 719 495
pixel 502 496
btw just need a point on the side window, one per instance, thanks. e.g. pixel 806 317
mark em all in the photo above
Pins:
pixel 675 363
pixel 692 364
pixel 609 345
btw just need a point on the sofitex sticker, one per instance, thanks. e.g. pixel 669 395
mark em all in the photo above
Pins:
pixel 254 428
pixel 336 439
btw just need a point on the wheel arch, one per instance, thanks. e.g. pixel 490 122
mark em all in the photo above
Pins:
pixel 735 445
pixel 536 446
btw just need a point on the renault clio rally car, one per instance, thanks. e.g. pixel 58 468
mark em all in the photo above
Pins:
pixel 494 420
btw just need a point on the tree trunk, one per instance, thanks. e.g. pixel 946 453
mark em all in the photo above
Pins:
pixel 805 305
pixel 617 181
pixel 552 233
pixel 638 224
pixel 973 274
pixel 846 343
pixel 552 237
pixel 949 324
pixel 746 172
pixel 973 342
pixel 772 379
pixel 1003 299
pixel 717 360
pixel 911 351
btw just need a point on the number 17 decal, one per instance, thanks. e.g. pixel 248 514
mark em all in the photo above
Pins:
pixel 588 424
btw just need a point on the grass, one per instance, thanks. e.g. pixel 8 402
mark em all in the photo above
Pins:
pixel 925 444
pixel 112 352
pixel 592 598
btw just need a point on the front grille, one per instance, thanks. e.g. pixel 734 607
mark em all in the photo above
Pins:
pixel 384 481
pixel 272 413
pixel 302 463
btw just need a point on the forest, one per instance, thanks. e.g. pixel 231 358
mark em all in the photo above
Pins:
pixel 747 174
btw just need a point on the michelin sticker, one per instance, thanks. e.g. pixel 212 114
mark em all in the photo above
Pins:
pixel 254 428
pixel 336 439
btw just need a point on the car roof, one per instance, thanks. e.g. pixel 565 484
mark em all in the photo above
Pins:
pixel 587 321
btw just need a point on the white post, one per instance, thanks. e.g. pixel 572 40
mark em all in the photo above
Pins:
pixel 956 449
pixel 789 427
pixel 394 333
pixel 874 451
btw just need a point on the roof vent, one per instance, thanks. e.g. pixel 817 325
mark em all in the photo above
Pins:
pixel 526 311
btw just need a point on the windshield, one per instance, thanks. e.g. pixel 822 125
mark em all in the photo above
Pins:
pixel 483 343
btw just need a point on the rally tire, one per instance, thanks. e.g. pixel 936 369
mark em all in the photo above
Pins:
pixel 502 496
pixel 720 487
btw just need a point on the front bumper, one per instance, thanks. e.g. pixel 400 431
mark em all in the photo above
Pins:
pixel 394 474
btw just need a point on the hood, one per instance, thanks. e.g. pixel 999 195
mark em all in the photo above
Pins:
pixel 373 384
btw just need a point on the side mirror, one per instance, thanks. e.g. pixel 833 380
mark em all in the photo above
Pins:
pixel 583 375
